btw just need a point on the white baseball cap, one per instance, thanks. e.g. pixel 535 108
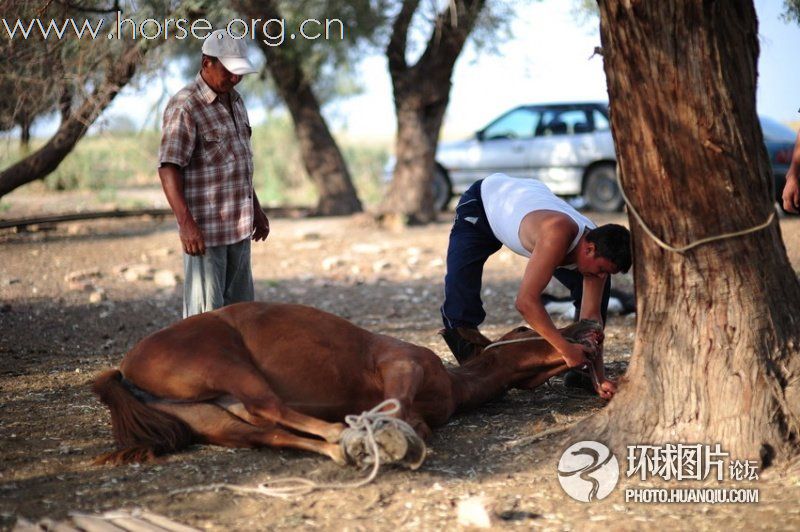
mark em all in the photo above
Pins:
pixel 232 53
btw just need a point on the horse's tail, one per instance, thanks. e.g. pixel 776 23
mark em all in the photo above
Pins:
pixel 140 432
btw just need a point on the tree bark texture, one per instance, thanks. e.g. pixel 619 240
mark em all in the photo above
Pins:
pixel 421 94
pixel 321 155
pixel 718 329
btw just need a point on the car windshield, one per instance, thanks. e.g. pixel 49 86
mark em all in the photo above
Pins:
pixel 516 124
pixel 774 131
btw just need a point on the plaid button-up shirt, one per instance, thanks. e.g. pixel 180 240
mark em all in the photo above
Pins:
pixel 212 148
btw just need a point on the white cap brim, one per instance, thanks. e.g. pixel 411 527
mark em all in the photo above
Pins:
pixel 238 65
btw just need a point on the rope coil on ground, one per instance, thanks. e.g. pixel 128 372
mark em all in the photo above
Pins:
pixel 364 426
pixel 682 249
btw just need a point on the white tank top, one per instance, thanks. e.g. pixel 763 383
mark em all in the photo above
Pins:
pixel 508 199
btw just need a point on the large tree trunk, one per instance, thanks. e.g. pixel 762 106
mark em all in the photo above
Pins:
pixel 421 94
pixel 718 332
pixel 321 155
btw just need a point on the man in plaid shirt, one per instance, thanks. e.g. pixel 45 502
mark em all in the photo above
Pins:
pixel 206 170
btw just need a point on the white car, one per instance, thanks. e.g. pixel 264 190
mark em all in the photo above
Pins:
pixel 567 146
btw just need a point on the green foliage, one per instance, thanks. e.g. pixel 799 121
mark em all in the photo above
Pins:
pixel 280 177
pixel 110 162
pixel 366 163
pixel 329 63
pixel 585 11
pixel 493 26
pixel 792 12
pixel 40 76
pixel 100 162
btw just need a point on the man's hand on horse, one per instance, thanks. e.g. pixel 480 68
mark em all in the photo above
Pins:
pixel 607 389
pixel 575 355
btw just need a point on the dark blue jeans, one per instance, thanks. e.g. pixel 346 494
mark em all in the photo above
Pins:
pixel 472 242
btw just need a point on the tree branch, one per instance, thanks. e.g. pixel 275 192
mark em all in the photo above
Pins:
pixel 85 9
pixel 46 159
pixel 446 43
pixel 396 49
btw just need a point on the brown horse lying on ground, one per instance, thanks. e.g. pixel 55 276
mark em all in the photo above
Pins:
pixel 260 374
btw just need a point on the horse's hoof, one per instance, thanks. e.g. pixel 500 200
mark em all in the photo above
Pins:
pixel 392 444
pixel 353 447
pixel 339 456
pixel 415 454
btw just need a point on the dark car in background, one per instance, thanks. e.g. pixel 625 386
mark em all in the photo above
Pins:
pixel 568 146
pixel 779 140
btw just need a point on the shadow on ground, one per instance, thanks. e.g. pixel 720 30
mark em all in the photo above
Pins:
pixel 52 426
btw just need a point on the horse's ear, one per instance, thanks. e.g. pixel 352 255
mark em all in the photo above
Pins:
pixel 474 337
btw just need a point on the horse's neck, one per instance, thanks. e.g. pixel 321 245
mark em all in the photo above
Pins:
pixel 480 380
pixel 492 372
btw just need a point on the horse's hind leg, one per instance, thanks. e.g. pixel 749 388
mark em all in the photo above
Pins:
pixel 216 426
pixel 257 404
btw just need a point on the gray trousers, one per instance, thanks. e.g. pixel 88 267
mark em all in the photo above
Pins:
pixel 220 277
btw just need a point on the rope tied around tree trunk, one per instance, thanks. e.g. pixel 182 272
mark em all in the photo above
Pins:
pixel 362 428
pixel 682 249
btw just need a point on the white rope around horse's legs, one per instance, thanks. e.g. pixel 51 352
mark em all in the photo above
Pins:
pixel 366 422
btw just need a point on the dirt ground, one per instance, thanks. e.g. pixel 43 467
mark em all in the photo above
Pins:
pixel 75 298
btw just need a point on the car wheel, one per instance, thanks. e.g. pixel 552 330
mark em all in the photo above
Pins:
pixel 442 191
pixel 601 191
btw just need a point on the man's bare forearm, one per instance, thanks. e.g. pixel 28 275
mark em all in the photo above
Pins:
pixel 538 318
pixel 172 182
pixel 190 233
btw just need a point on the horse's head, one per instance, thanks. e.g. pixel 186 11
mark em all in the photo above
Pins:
pixel 534 358
pixel 518 333
pixel 587 332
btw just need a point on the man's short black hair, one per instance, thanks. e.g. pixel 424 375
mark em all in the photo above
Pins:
pixel 612 242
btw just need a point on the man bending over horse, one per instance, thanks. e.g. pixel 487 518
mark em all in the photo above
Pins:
pixel 525 216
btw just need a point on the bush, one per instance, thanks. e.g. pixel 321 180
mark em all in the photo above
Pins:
pixel 111 161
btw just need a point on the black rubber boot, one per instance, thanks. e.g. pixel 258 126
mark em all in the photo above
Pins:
pixel 461 348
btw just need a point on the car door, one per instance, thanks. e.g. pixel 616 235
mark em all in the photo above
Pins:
pixel 564 141
pixel 503 145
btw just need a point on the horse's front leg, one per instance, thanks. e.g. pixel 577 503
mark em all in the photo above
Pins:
pixel 402 380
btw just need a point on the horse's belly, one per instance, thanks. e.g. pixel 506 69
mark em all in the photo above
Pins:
pixel 327 396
